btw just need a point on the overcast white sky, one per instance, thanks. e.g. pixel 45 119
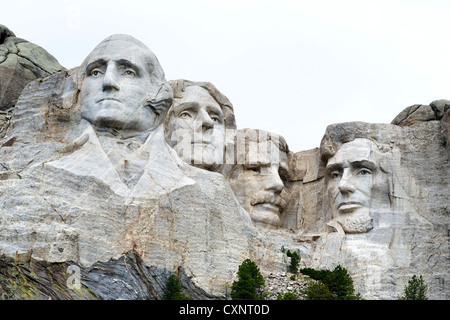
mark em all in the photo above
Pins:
pixel 288 66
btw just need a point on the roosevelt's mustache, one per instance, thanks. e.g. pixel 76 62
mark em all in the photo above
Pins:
pixel 268 197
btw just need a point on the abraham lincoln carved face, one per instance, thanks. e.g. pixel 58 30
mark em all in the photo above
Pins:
pixel 356 184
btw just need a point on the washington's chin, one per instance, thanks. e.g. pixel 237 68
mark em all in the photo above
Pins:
pixel 356 221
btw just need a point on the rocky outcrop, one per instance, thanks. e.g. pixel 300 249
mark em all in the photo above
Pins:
pixel 20 63
pixel 277 284
pixel 419 113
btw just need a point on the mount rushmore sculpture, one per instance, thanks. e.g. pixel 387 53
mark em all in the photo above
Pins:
pixel 113 169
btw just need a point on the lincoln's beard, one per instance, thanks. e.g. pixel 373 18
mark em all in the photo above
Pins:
pixel 356 222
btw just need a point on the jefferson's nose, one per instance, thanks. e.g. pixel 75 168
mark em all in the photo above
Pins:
pixel 110 80
pixel 345 184
pixel 205 120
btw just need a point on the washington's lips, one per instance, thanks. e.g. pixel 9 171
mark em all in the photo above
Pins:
pixel 108 99
pixel 347 206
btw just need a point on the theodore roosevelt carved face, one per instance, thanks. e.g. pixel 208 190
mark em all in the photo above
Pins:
pixel 258 178
pixel 356 184
pixel 123 86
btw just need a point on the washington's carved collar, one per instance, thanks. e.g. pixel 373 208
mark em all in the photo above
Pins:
pixel 155 168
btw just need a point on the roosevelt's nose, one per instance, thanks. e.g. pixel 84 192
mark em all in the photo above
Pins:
pixel 346 184
pixel 273 181
pixel 110 79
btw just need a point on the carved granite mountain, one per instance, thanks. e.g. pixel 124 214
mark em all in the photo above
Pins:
pixel 89 185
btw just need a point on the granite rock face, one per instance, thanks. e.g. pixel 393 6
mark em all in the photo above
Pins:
pixel 20 63
pixel 92 193
pixel 402 230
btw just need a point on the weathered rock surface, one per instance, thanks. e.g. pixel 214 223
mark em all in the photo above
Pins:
pixel 60 200
pixel 20 63
pixel 129 213
pixel 419 113
pixel 279 283
pixel 410 235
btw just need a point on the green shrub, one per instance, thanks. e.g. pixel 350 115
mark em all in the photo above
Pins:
pixel 173 290
pixel 295 261
pixel 338 281
pixel 315 274
pixel 415 290
pixel 288 296
pixel 249 283
pixel 318 291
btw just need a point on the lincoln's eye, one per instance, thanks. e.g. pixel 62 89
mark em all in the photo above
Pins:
pixel 335 175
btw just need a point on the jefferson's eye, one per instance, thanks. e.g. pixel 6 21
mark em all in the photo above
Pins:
pixel 184 115
pixel 364 171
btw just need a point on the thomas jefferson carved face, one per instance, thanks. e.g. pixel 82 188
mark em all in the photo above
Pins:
pixel 356 184
pixel 197 129
pixel 121 75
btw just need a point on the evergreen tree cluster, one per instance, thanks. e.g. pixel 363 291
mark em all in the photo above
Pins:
pixel 415 290
pixel 333 285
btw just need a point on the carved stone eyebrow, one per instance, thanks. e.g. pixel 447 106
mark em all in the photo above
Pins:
pixel 190 106
pixel 95 64
pixel 333 167
pixel 364 164
pixel 215 110
pixel 128 64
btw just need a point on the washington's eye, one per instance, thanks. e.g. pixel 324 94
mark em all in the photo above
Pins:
pixel 129 73
pixel 95 72
pixel 364 171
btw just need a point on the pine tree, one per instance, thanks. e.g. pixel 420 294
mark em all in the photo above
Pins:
pixel 250 282
pixel 173 290
pixel 340 283
pixel 415 290
pixel 295 261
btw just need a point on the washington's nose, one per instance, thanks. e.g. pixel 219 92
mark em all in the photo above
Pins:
pixel 345 184
pixel 110 80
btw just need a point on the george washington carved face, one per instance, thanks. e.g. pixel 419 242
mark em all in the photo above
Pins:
pixel 122 78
